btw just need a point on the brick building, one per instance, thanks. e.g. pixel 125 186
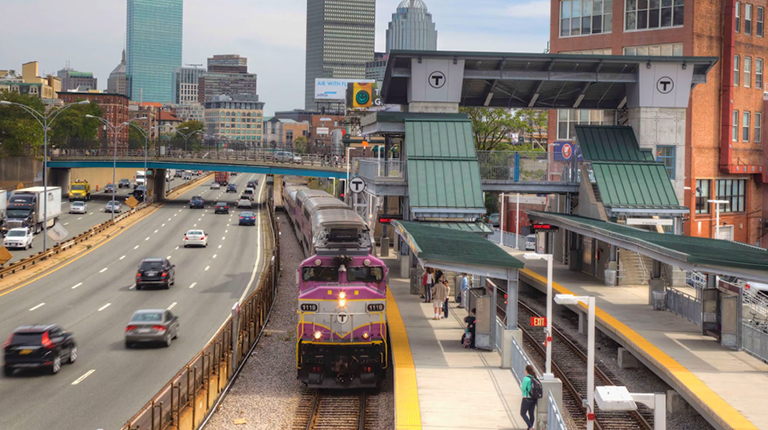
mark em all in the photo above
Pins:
pixel 724 138
pixel 321 128
pixel 115 107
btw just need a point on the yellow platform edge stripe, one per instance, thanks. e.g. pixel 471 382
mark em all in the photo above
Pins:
pixel 407 408
pixel 728 415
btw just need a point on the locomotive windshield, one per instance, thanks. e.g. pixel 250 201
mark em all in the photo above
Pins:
pixel 365 274
pixel 320 274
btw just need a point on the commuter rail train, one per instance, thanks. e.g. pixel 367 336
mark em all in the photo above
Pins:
pixel 342 336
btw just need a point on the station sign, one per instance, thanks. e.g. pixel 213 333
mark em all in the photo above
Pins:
pixel 544 227
pixel 538 321
pixel 387 219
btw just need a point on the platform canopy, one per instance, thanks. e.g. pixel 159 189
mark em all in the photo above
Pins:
pixel 547 81
pixel 457 250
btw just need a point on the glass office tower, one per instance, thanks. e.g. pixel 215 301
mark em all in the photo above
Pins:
pixel 411 28
pixel 154 35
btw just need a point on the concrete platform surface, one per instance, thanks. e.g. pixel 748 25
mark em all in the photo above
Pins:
pixel 457 388
pixel 732 384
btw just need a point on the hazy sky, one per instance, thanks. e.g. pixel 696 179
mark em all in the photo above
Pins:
pixel 90 34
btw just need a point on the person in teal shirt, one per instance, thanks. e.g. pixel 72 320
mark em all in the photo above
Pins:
pixel 528 405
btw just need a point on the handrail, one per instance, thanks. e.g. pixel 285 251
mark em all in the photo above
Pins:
pixel 642 266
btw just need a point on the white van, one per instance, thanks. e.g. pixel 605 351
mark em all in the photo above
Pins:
pixel 530 242
pixel 140 179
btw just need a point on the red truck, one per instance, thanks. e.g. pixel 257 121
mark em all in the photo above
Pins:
pixel 222 178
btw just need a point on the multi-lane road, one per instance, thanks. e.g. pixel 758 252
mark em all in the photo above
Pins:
pixel 94 296
pixel 78 223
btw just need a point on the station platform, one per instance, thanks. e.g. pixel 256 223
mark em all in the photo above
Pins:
pixel 727 385
pixel 438 383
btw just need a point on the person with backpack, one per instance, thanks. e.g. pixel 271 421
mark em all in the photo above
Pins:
pixel 532 392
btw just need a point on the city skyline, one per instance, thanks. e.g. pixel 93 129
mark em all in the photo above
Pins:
pixel 271 35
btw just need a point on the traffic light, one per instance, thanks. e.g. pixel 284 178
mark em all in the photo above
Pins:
pixel 342 188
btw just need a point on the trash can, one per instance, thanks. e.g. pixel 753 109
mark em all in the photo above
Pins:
pixel 659 300
pixel 610 277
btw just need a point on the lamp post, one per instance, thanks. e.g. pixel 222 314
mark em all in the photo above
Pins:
pixel 116 130
pixel 187 136
pixel 717 214
pixel 570 299
pixel 44 121
pixel 146 148
pixel 346 185
pixel 548 258
pixel 501 221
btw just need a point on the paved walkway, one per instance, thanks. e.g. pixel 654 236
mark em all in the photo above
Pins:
pixel 457 388
pixel 733 384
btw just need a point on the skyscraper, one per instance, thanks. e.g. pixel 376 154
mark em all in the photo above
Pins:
pixel 117 83
pixel 185 85
pixel 340 41
pixel 412 28
pixel 154 48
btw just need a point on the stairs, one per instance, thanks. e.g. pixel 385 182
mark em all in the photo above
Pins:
pixel 598 198
pixel 631 269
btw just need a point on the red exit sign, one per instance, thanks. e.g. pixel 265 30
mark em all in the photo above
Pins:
pixel 537 226
pixel 538 321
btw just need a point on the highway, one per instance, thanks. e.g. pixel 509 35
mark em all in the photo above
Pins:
pixel 78 223
pixel 94 297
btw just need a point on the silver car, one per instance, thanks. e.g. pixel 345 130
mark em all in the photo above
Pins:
pixel 78 208
pixel 113 206
pixel 152 325
pixel 287 157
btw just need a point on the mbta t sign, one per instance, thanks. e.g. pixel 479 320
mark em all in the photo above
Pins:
pixel 357 185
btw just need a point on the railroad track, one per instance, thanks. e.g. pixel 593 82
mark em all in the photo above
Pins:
pixel 569 364
pixel 319 410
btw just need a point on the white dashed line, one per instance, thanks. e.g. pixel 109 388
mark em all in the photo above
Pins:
pixel 136 247
pixel 193 285
pixel 104 307
pixel 162 225
pixel 223 237
pixel 103 270
pixel 132 287
pixel 219 246
pixel 207 267
pixel 147 238
pixel 177 247
pixel 37 307
pixel 172 306
pixel 214 255
pixel 169 219
pixel 226 231
pixel 175 214
pixel 80 379
pixel 122 257
pixel 194 225
pixel 80 218
pixel 168 257
pixel 156 231
pixel 77 285
pixel 66 223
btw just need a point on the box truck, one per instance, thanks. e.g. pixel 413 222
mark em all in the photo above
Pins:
pixel 79 190
pixel 222 178
pixel 25 208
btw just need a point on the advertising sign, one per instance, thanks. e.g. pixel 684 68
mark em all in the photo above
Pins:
pixel 565 150
pixel 334 89
pixel 363 95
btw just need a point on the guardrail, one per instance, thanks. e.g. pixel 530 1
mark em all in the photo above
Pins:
pixel 684 305
pixel 517 166
pixel 510 239
pixel 41 256
pixel 554 416
pixel 189 398
pixel 373 168
pixel 754 339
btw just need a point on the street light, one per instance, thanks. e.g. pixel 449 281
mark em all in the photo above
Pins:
pixel 146 148
pixel 548 258
pixel 44 121
pixel 570 299
pixel 717 214
pixel 116 130
pixel 187 136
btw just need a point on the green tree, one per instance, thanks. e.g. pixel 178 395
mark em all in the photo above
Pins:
pixel 300 143
pixel 73 130
pixel 492 126
pixel 532 121
pixel 135 138
pixel 20 133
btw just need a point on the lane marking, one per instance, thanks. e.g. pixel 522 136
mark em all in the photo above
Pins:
pixel 122 257
pixel 171 306
pixel 207 267
pixel 226 231
pixel 194 225
pixel 169 219
pixel 136 247
pixel 80 218
pixel 147 238
pixel 104 307
pixel 77 285
pixel 156 231
pixel 219 246
pixel 168 257
pixel 82 378
pixel 214 255
pixel 103 270
pixel 175 214
pixel 162 225
pixel 37 307
pixel 132 287
pixel 177 247
pixel 193 285
pixel 223 237
pixel 66 223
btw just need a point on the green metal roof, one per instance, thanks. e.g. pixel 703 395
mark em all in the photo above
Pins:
pixel 443 172
pixel 407 116
pixel 694 250
pixel 454 246
pixel 471 227
pixel 635 185
pixel 610 143
pixel 75 74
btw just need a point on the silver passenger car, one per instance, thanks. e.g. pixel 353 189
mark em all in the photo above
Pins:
pixel 152 325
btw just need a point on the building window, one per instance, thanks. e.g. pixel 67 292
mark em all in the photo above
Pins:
pixel 747 71
pixel 666 155
pixel 747 18
pixel 666 50
pixel 759 73
pixel 734 192
pixel 758 127
pixel 745 126
pixel 583 17
pixel 736 61
pixel 738 17
pixel 650 14
pixel 702 195
pixel 760 22
pixel 735 127
pixel 567 120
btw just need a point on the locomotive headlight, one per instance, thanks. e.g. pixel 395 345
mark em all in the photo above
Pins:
pixel 318 262
pixel 367 262
pixel 366 335
pixel 342 295
pixel 342 299
pixel 318 335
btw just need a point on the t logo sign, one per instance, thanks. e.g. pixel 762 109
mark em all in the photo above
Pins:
pixel 665 85
pixel 437 79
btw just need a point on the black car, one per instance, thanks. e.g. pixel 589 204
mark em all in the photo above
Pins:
pixel 233 174
pixel 231 188
pixel 39 346
pixel 252 184
pixel 156 271
pixel 247 218
pixel 177 174
pixel 110 187
pixel 124 183
pixel 222 208
pixel 196 202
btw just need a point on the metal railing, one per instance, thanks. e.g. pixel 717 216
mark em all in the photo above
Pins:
pixel 757 302
pixel 509 239
pixel 554 416
pixel 684 305
pixel 499 333
pixel 373 168
pixel 523 167
pixel 519 360
pixel 192 394
pixel 695 280
pixel 754 339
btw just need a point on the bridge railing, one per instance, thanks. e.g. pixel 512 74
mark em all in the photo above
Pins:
pixel 519 166
pixel 372 168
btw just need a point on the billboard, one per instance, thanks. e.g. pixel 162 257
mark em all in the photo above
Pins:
pixel 565 150
pixel 364 95
pixel 334 89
